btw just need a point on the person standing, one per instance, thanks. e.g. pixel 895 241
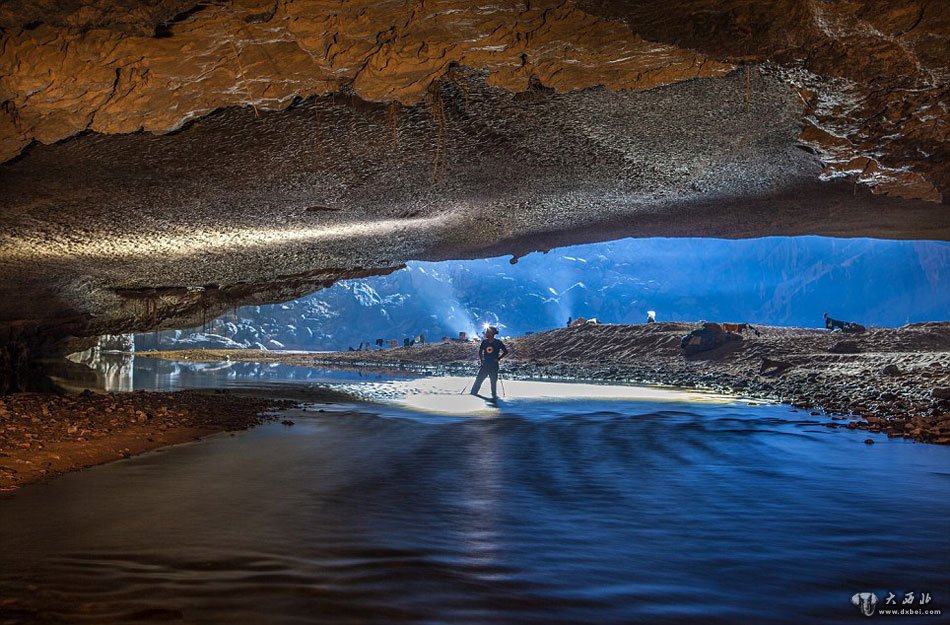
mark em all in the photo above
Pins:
pixel 490 352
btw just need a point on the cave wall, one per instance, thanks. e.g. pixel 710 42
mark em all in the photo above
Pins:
pixel 872 76
pixel 163 161
pixel 58 80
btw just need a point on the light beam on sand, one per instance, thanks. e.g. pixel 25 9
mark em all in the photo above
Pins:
pixel 449 395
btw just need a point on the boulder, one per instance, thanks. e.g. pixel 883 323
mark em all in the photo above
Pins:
pixel 891 370
pixel 845 347
pixel 708 337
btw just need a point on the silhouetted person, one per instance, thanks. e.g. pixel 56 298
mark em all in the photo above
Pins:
pixel 490 352
pixel 651 316
pixel 569 320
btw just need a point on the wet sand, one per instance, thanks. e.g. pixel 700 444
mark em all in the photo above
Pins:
pixel 44 435
pixel 894 381
pixel 448 395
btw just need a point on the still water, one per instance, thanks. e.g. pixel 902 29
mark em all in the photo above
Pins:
pixel 643 508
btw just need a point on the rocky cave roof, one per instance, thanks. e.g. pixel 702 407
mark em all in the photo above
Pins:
pixel 166 160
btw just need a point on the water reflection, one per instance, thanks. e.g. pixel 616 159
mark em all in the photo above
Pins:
pixel 123 372
pixel 114 371
pixel 481 522
pixel 650 507
pixel 571 512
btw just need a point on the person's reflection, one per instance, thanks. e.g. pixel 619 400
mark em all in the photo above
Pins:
pixel 482 498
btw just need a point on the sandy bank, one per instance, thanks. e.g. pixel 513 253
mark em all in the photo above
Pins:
pixel 45 435
pixel 893 380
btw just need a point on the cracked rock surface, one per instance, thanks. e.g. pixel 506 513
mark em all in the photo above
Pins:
pixel 166 160
pixel 874 76
pixel 60 80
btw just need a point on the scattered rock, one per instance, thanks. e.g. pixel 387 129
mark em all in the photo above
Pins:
pixel 92 428
pixel 891 370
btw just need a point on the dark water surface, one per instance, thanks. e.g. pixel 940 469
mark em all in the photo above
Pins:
pixel 547 512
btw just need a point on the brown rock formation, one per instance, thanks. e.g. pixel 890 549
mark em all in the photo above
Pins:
pixel 293 142
pixel 873 75
pixel 58 81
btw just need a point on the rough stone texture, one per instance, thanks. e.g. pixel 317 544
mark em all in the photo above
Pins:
pixel 109 234
pixel 130 16
pixel 873 75
pixel 42 436
pixel 56 81
pixel 291 143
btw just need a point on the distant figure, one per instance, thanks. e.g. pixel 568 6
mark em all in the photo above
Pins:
pixel 463 337
pixel 422 339
pixel 833 324
pixel 379 343
pixel 844 326
pixel 360 348
pixel 490 352
pixel 569 320
pixel 366 346
pixel 651 316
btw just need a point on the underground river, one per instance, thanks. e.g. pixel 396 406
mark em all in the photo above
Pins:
pixel 566 503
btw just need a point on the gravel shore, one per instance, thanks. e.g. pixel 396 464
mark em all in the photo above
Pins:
pixel 43 435
pixel 893 381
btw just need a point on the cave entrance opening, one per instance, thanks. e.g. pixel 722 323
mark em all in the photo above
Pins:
pixel 784 281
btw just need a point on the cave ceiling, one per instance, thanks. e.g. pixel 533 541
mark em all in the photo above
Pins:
pixel 163 161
